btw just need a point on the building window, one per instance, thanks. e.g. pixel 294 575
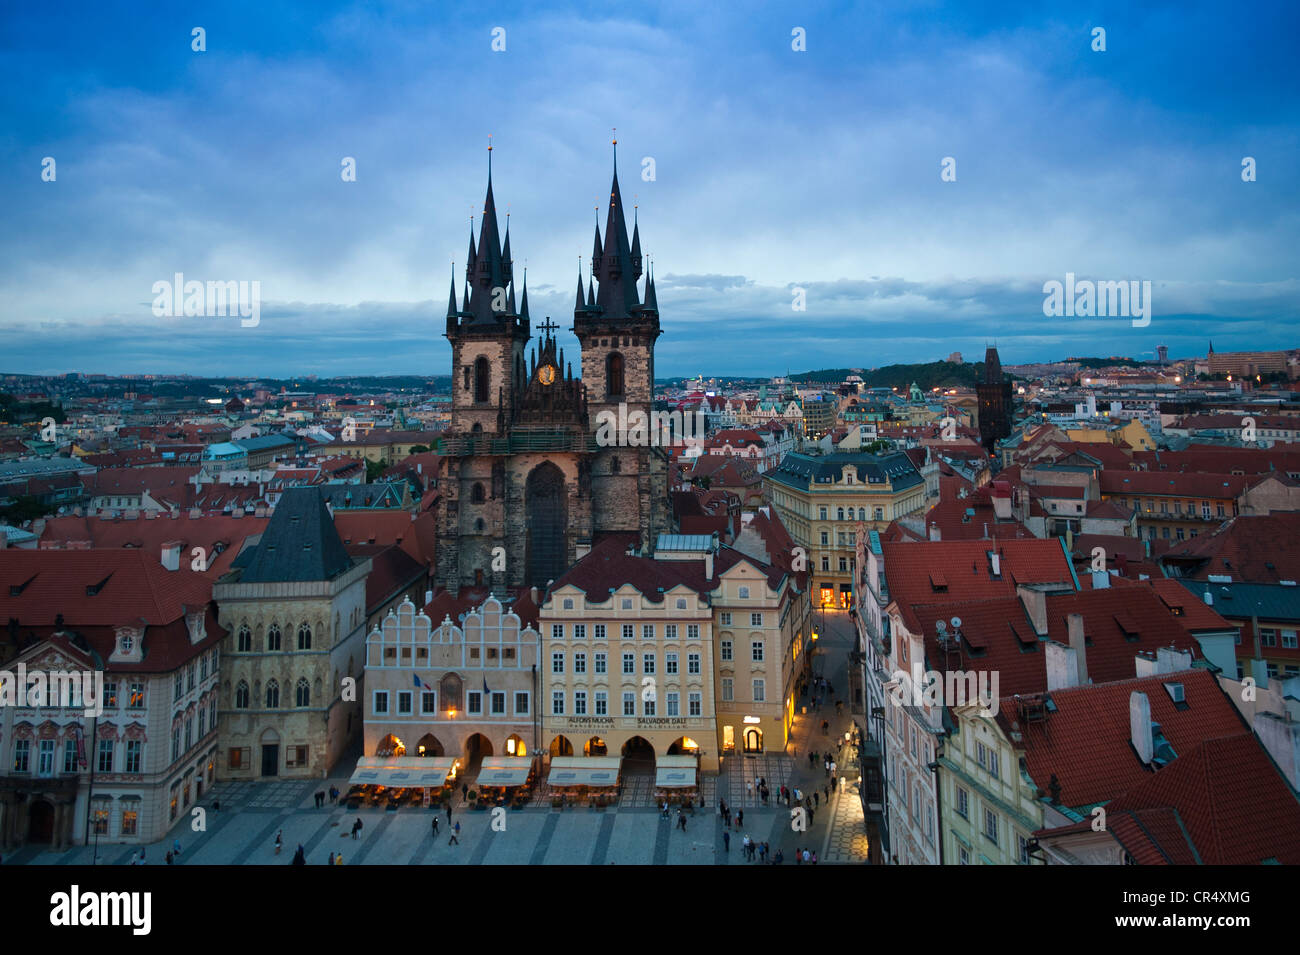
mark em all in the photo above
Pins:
pixel 693 663
pixel 694 702
pixel 600 663
pixel 648 707
pixel 70 755
pixel 726 620
pixel 1289 639
pixel 648 661
pixel 295 756
pixel 1022 849
pixel 821 513
pixel 600 631
pixel 579 663
pixel 245 644
pixel 826 563
pixel 670 631
pixel 580 631
pixel 756 651
pixel 963 856
pixel 826 539
pixel 760 695
pixel 105 762
pixel 428 702
pixel 681 603
pixel 304 637
pixel 629 663
pixel 629 704
pixel 241 696
pixel 557 631
pixel 130 822
pixel 673 705
pixel 1268 636
pixel 991 826
pixel 404 701
pixel 22 756
pixel 963 803
pixel 521 703
pixel 481 380
pixel 670 663
pixel 568 603
pixel 273 638
pixel 614 375
pixel 381 701
pixel 728 690
pixel 273 695
pixel 725 648
pixel 557 702
pixel 474 702
pixel 629 632
pixel 647 631
pixel 239 757
pixel 744 593
pixel 557 662
pixel 602 703
pixel 580 703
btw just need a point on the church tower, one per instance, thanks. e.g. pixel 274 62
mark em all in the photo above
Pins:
pixel 488 339
pixel 617 325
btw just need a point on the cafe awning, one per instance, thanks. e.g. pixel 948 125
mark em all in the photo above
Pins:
pixel 402 772
pixel 504 771
pixel 593 771
pixel 675 772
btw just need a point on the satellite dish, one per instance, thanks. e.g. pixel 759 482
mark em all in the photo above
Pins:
pixel 956 623
pixel 940 626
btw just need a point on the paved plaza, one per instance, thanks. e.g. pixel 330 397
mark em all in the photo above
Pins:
pixel 243 831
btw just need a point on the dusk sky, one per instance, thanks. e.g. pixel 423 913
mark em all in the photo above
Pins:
pixel 775 169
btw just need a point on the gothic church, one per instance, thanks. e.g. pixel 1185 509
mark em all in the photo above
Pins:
pixel 521 468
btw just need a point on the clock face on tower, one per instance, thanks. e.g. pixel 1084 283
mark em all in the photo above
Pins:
pixel 546 374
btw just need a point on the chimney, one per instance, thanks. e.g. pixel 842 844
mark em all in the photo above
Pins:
pixel 532 594
pixel 708 566
pixel 934 532
pixel 1002 506
pixel 1035 602
pixel 1139 721
pixel 428 597
pixel 1062 666
pixel 1169 660
pixel 171 555
pixel 1074 624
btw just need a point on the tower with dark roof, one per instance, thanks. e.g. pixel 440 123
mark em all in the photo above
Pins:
pixel 525 487
pixel 995 401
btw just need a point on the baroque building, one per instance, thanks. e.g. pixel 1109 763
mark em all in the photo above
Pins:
pixel 526 487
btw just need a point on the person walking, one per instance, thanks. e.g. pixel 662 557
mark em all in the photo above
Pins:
pixel 455 833
pixel 827 790
pixel 176 847
pixel 447 806
pixel 279 838
pixel 816 798
pixel 338 859
pixel 726 841
pixel 834 766
pixel 798 856
pixel 682 822
pixel 168 857
pixel 330 860
pixel 740 818
pixel 300 857
pixel 435 826
pixel 807 857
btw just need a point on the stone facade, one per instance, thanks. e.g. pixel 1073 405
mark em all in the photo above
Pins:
pixel 301 735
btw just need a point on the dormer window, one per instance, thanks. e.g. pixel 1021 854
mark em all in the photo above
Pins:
pixel 126 644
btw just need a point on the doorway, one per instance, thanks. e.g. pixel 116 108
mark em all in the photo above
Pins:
pixel 40 819
pixel 753 740
pixel 270 759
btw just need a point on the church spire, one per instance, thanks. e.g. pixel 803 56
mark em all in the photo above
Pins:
pixel 523 305
pixel 651 300
pixel 490 269
pixel 451 303
pixel 618 295
pixel 582 301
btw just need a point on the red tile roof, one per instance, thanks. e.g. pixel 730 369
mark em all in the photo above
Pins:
pixel 1243 548
pixel 1179 484
pixel 1086 743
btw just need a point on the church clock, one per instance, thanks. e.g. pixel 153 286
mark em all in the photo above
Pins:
pixel 546 374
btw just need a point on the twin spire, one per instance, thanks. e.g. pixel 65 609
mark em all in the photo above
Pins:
pixel 616 264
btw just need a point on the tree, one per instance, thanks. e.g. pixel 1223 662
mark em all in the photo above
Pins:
pixel 374 469
pixel 420 449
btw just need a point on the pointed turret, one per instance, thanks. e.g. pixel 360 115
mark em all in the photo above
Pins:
pixel 491 268
pixel 636 249
pixel 582 301
pixel 473 256
pixel 523 302
pixel 510 300
pixel 651 300
pixel 591 292
pixel 595 250
pixel 451 302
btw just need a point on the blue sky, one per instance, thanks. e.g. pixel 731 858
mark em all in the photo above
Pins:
pixel 775 169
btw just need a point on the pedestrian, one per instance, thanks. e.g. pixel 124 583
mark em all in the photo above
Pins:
pixel 834 766
pixel 812 759
pixel 726 841
pixel 807 857
pixel 683 824
pixel 811 812
pixel 279 838
pixel 300 857
pixel 814 858
pixel 740 818
pixel 798 857
pixel 778 858
pixel 464 790
pixel 356 827
pixel 435 826
pixel 455 832
pixel 216 805
pixel 816 798
pixel 331 859
pixel 749 789
pixel 176 847
pixel 169 858
pixel 338 859
pixel 827 790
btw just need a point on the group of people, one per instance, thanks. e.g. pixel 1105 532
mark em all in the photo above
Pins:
pixel 333 797
pixel 174 853
pixel 725 812
pixel 759 785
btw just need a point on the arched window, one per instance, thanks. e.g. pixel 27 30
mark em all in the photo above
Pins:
pixel 273 637
pixel 614 375
pixel 245 639
pixel 480 379
pixel 476 494
pixel 304 637
pixel 862 513
pixel 302 696
pixel 273 695
pixel 839 513
pixel 241 696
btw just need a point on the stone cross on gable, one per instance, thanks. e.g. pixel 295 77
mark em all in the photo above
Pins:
pixel 548 325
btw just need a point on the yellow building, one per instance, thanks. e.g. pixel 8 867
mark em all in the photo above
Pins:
pixel 824 501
